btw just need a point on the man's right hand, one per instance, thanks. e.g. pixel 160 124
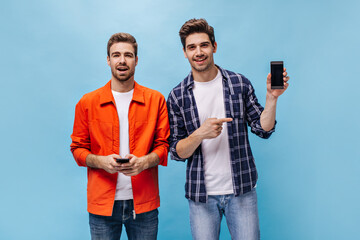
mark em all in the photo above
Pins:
pixel 107 163
pixel 212 127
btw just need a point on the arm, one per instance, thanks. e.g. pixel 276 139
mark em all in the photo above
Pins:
pixel 182 145
pixel 267 118
pixel 81 147
pixel 211 128
pixel 162 132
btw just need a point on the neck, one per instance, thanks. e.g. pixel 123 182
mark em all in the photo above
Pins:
pixel 205 76
pixel 122 86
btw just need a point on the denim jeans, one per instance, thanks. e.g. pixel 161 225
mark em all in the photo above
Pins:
pixel 143 227
pixel 241 215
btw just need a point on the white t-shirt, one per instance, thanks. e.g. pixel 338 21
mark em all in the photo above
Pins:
pixel 209 99
pixel 122 101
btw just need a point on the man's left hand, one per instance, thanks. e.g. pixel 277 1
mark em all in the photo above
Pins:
pixel 135 166
pixel 277 92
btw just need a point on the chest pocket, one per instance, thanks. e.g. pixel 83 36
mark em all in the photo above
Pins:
pixel 237 107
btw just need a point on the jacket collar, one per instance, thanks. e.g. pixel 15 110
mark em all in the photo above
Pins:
pixel 106 95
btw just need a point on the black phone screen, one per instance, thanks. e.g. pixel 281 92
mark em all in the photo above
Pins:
pixel 122 160
pixel 277 69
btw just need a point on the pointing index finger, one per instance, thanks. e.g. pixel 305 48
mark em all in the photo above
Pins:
pixel 222 120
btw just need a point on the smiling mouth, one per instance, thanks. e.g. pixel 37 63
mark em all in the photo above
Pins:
pixel 200 60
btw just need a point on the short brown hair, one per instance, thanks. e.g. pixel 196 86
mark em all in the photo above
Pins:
pixel 196 26
pixel 122 37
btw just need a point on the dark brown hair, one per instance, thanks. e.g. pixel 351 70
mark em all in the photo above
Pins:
pixel 122 37
pixel 196 26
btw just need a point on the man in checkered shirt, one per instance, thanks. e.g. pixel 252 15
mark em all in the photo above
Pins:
pixel 209 113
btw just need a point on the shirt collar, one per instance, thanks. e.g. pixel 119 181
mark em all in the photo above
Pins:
pixel 107 96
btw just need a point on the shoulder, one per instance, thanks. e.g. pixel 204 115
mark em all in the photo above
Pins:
pixel 237 82
pixel 178 92
pixel 236 77
pixel 92 96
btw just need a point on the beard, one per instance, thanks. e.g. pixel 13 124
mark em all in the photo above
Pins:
pixel 202 68
pixel 122 77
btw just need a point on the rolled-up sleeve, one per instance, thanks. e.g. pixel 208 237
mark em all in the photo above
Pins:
pixel 177 126
pixel 80 146
pixel 161 146
pixel 253 113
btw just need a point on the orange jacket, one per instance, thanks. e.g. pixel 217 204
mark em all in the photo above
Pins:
pixel 96 131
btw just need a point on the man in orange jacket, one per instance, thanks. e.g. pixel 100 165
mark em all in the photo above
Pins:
pixel 122 121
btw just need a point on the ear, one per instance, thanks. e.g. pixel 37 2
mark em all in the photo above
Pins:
pixel 136 60
pixel 108 60
pixel 185 53
pixel 215 47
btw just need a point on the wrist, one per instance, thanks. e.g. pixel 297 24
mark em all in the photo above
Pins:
pixel 270 97
pixel 93 161
pixel 145 162
pixel 196 136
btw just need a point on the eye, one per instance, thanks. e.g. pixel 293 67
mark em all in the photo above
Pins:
pixel 191 47
pixel 204 45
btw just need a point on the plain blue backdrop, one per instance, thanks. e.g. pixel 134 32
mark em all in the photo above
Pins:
pixel 53 52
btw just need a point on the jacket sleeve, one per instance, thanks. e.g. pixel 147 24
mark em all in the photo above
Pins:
pixel 177 126
pixel 80 146
pixel 253 112
pixel 161 145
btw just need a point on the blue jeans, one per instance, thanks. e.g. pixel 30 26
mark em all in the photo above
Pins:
pixel 143 227
pixel 241 215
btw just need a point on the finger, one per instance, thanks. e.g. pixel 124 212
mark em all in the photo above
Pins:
pixel 284 69
pixel 268 78
pixel 114 156
pixel 127 165
pixel 222 120
pixel 286 78
pixel 130 156
pixel 284 73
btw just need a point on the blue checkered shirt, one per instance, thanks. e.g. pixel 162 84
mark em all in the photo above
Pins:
pixel 242 105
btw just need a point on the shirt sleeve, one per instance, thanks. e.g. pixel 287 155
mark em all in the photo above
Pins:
pixel 177 126
pixel 162 132
pixel 253 113
pixel 80 146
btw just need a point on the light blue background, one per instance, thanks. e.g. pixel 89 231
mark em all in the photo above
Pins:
pixel 53 52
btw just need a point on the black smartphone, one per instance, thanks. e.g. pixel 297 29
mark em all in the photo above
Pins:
pixel 122 160
pixel 277 77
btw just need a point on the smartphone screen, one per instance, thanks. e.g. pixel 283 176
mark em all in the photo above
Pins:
pixel 122 160
pixel 277 69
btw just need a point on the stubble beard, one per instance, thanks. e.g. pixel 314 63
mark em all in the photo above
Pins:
pixel 122 78
pixel 203 68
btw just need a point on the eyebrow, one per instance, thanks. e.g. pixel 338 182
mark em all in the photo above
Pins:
pixel 117 52
pixel 193 44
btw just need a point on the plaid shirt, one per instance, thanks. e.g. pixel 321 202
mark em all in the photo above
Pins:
pixel 242 105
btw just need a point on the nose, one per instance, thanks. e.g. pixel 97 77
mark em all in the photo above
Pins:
pixel 198 51
pixel 122 59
